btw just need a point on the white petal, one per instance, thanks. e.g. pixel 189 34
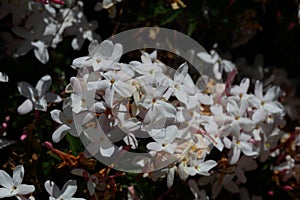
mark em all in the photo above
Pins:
pixel 170 177
pixel 69 189
pixel 56 115
pixel 82 62
pixel 107 152
pixel 272 93
pixel 130 139
pixel 60 132
pixel 274 107
pixel 154 146
pixel 206 57
pixel 18 174
pixel 41 51
pixel 25 107
pixel 43 85
pixel 25 189
pixel 181 73
pixel 106 48
pixel 27 90
pixel 6 180
pixel 3 77
pixel 6 192
pixel 236 155
pixel 258 90
pixel 259 115
pixel 123 89
pixel 52 98
pixel 98 107
pixel 117 52
pixel 52 189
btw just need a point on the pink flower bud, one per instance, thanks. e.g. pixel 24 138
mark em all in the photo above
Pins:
pixel 24 136
pixel 287 188
pixel 270 193
pixel 48 145
pixel 4 125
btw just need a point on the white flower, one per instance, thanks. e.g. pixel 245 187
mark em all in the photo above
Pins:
pixel 200 167
pixel 114 82
pixel 37 97
pixel 163 139
pixel 239 121
pixel 218 64
pixel 12 186
pixel 266 104
pixel 182 86
pixel 240 144
pixel 66 193
pixel 102 56
pixel 98 142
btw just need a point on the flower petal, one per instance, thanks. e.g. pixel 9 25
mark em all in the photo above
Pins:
pixel 6 180
pixel 52 189
pixel 25 107
pixel 43 85
pixel 25 189
pixel 69 189
pixel 105 49
pixel 3 77
pixel 60 132
pixel 107 152
pixel 18 174
pixel 5 192
pixel 52 98
pixel 56 115
pixel 27 90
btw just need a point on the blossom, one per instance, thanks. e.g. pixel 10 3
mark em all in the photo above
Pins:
pixel 240 144
pixel 163 140
pixel 200 167
pixel 182 86
pixel 266 104
pixel 114 82
pixel 218 64
pixel 102 56
pixel 37 97
pixel 66 193
pixel 98 142
pixel 12 186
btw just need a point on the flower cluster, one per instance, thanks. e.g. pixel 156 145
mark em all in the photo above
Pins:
pixel 183 120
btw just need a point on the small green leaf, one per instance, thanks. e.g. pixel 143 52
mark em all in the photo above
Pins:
pixel 74 144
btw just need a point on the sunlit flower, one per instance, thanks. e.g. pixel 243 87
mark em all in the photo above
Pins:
pixel 12 186
pixel 38 97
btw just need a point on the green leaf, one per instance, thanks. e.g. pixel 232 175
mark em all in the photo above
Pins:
pixel 46 168
pixel 192 26
pixel 171 17
pixel 74 144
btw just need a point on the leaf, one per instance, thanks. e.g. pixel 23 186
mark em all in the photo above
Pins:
pixel 192 27
pixel 171 17
pixel 74 144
